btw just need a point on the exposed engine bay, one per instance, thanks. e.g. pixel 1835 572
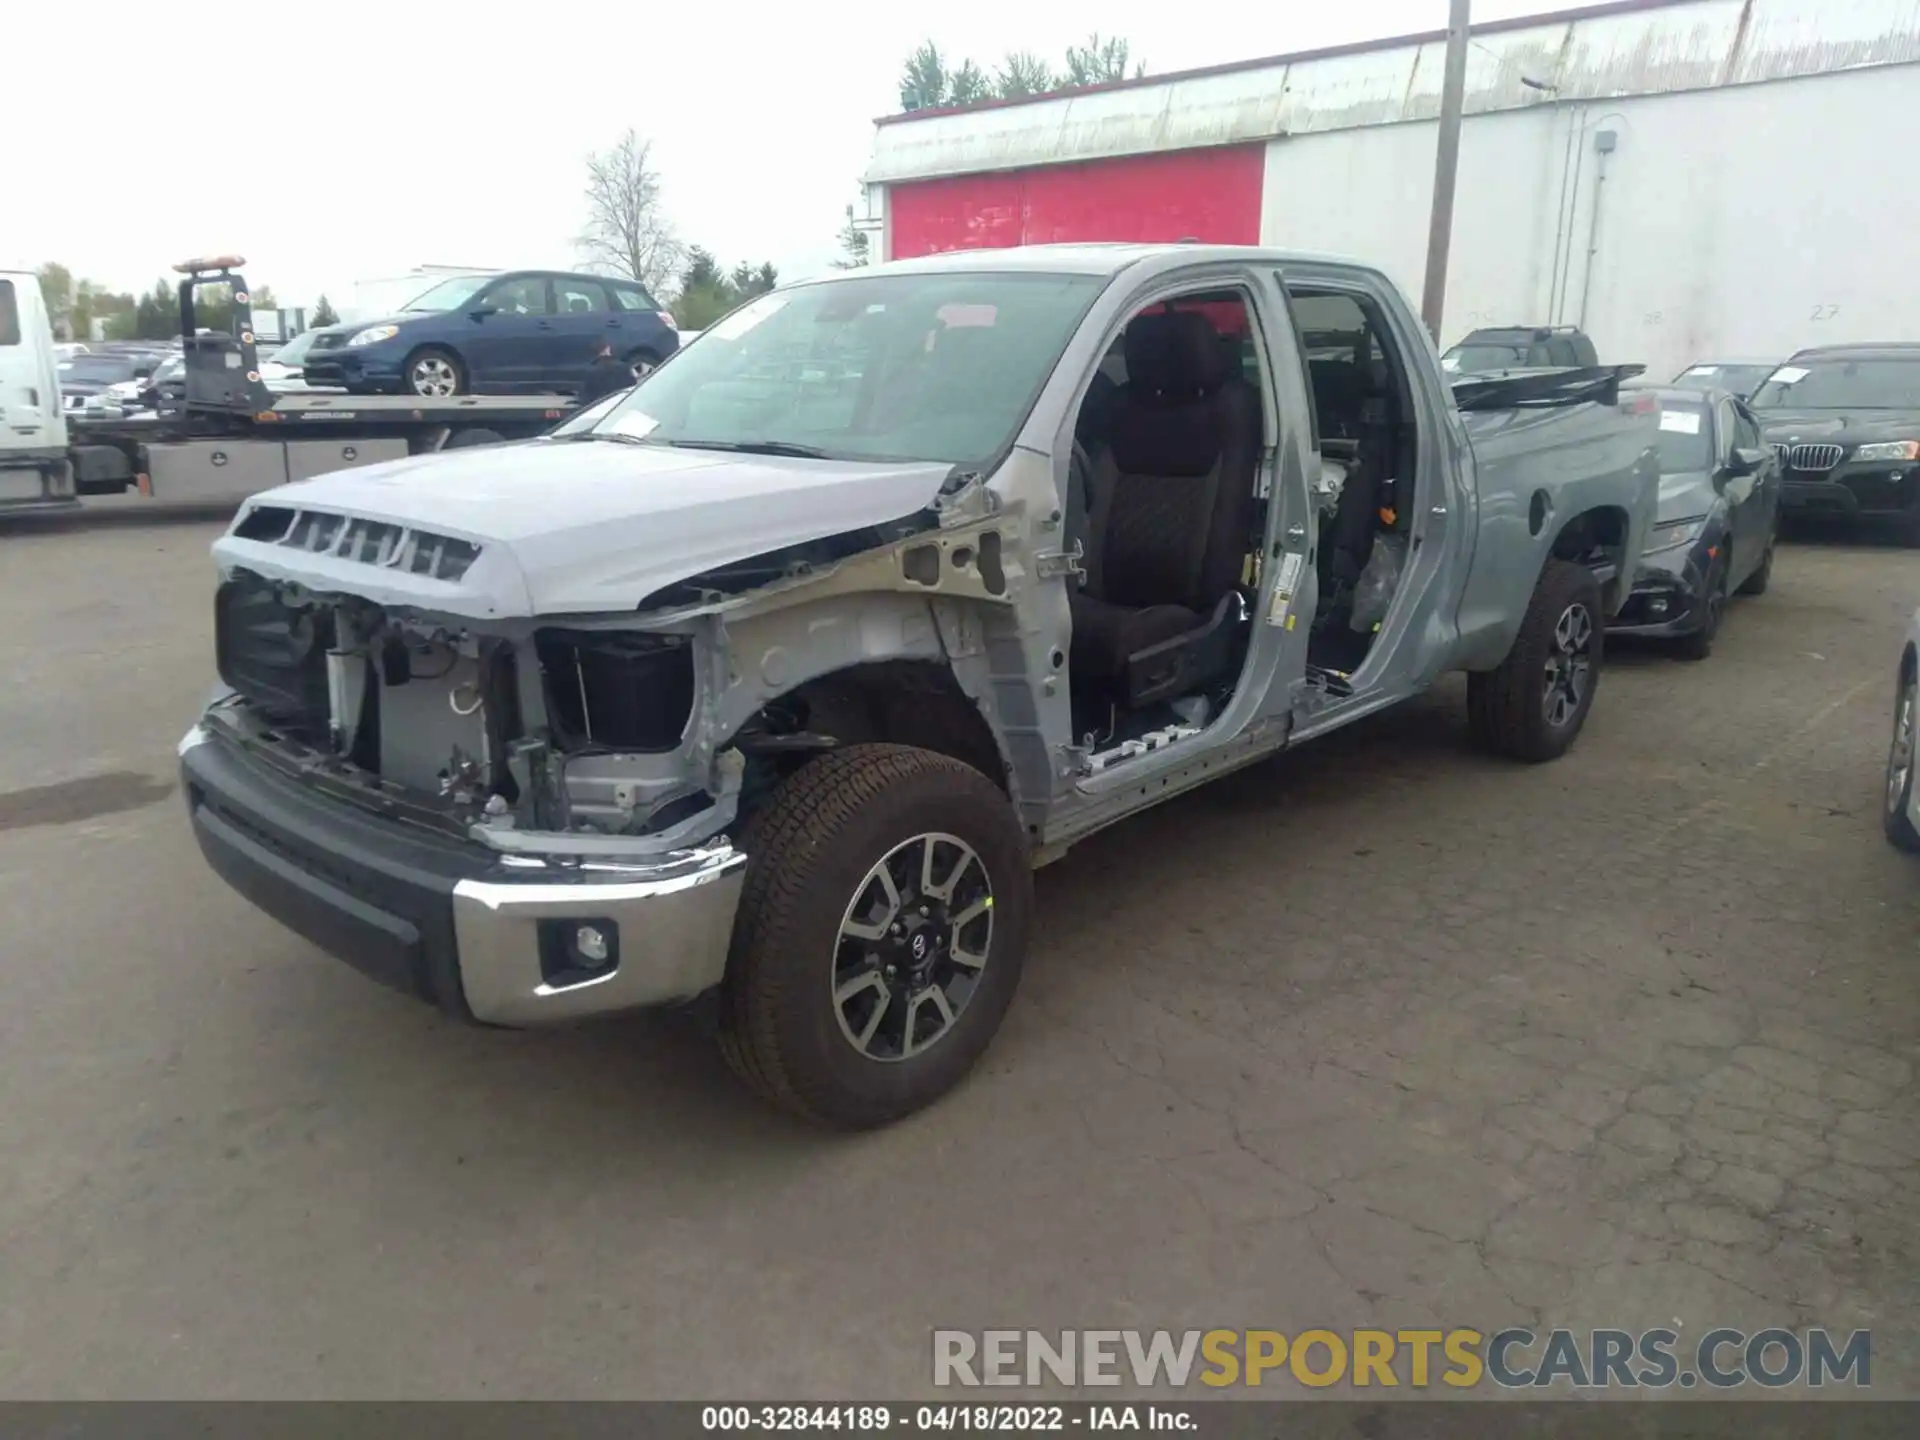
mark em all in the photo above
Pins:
pixel 542 729
pixel 587 734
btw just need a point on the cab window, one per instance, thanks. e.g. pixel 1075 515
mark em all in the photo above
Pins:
pixel 574 297
pixel 524 296
pixel 9 315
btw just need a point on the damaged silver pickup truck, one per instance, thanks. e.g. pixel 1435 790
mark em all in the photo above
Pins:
pixel 770 684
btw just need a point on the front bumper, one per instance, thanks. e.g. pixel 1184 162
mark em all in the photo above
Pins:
pixel 476 933
pixel 1668 593
pixel 370 367
pixel 1877 489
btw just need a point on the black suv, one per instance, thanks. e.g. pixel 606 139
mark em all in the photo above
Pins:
pixel 1845 420
pixel 1520 347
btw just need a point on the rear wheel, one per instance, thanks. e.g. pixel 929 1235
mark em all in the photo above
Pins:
pixel 1536 703
pixel 435 373
pixel 1897 813
pixel 642 363
pixel 881 934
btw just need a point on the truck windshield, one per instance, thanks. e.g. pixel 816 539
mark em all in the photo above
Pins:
pixel 448 294
pixel 939 366
pixel 1836 384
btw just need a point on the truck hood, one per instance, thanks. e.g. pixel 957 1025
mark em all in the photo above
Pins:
pixel 1852 427
pixel 573 527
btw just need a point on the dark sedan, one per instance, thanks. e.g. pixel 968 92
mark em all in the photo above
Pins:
pixel 525 332
pixel 1719 515
pixel 1742 377
pixel 1846 422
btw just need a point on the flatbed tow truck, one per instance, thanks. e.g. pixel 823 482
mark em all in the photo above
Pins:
pixel 229 436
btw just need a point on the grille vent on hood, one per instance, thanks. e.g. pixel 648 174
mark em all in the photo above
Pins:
pixel 366 542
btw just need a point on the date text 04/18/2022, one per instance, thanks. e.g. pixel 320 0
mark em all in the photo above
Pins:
pixel 1009 1419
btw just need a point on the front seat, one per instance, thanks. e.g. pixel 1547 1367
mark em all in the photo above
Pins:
pixel 1171 511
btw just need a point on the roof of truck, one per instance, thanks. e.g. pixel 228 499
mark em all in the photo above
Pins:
pixel 1098 258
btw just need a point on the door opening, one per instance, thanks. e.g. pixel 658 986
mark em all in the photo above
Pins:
pixel 1164 498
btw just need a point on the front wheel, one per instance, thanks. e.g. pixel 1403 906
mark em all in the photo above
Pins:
pixel 1697 644
pixel 881 933
pixel 1897 815
pixel 435 373
pixel 1762 576
pixel 1536 703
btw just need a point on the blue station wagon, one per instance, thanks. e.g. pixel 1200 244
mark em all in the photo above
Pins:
pixel 518 333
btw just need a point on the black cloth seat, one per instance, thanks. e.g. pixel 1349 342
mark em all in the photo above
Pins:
pixel 1346 541
pixel 1171 504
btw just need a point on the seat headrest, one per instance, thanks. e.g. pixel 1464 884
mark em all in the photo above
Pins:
pixel 1175 352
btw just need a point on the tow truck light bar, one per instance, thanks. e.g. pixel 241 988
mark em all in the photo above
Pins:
pixel 216 262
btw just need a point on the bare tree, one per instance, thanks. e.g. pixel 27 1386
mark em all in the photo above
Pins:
pixel 627 230
pixel 854 250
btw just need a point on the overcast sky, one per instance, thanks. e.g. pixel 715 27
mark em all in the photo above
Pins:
pixel 337 140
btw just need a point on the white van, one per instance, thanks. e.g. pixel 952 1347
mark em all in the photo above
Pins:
pixel 33 432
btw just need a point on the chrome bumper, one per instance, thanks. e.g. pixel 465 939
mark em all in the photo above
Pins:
pixel 674 922
pixel 456 924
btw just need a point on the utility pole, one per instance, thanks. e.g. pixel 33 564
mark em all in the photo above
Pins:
pixel 1446 164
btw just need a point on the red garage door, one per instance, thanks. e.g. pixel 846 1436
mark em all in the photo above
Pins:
pixel 1211 195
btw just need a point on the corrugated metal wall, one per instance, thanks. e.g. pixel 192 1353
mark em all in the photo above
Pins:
pixel 1607 53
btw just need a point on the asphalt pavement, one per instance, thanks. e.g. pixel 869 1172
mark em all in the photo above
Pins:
pixel 1380 1033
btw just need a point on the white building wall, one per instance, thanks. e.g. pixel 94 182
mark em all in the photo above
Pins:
pixel 1748 220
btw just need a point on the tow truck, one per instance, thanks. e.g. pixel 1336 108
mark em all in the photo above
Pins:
pixel 227 436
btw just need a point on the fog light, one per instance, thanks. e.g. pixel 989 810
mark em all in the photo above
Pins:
pixel 575 951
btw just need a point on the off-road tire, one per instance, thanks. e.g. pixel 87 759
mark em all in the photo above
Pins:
pixel 1762 576
pixel 1506 711
pixel 1698 644
pixel 808 851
